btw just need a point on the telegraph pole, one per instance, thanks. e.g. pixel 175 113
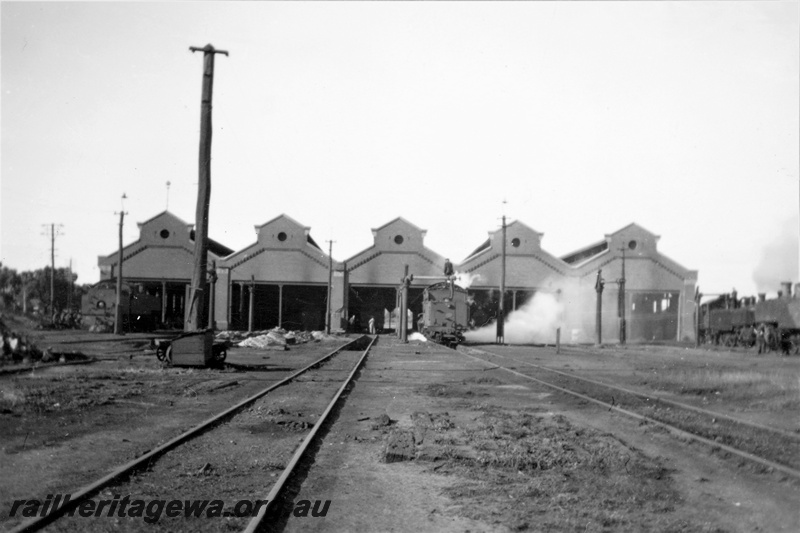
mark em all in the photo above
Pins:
pixel 251 305
pixel 598 286
pixel 54 230
pixel 212 285
pixel 25 280
pixel 698 296
pixel 407 279
pixel 194 315
pixel 330 285
pixel 69 292
pixel 621 302
pixel 500 314
pixel 52 271
pixel 118 310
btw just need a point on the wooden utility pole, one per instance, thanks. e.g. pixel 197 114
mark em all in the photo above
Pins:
pixel 212 285
pixel 621 303
pixel 118 308
pixel 52 231
pixel 251 304
pixel 69 290
pixel 330 285
pixel 53 271
pixel 598 287
pixel 501 339
pixel 24 293
pixel 698 297
pixel 407 279
pixel 196 303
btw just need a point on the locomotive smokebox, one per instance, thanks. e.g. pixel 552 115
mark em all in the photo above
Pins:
pixel 786 287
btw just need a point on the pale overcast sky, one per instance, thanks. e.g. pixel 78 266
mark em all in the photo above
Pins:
pixel 679 116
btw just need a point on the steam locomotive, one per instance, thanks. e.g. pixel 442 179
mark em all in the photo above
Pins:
pixel 140 311
pixel 731 321
pixel 445 313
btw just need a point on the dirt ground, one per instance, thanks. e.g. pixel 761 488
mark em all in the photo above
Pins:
pixel 493 452
pixel 62 427
pixel 427 440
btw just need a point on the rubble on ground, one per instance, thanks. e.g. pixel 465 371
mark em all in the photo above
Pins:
pixel 272 337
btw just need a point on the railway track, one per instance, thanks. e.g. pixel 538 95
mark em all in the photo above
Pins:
pixel 269 421
pixel 769 448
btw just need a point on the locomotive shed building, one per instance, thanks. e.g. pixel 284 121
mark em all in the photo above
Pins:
pixel 161 262
pixel 282 278
pixel 528 268
pixel 659 293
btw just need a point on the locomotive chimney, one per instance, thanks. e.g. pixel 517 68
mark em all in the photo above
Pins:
pixel 762 296
pixel 796 289
pixel 787 289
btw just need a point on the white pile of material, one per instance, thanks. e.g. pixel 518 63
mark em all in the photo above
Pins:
pixel 323 337
pixel 276 337
pixel 416 336
pixel 272 338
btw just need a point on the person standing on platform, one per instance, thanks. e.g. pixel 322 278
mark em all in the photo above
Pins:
pixel 448 268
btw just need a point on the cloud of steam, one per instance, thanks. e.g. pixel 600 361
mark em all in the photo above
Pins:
pixel 779 259
pixel 534 322
pixel 465 279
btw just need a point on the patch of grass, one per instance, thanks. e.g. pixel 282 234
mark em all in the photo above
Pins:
pixel 543 474
pixel 60 392
pixel 449 390
pixel 766 389
pixel 445 440
pixel 438 422
pixel 483 380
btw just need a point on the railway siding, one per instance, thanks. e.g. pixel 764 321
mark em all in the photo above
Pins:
pixel 237 460
pixel 774 446
pixel 487 450
pixel 482 449
pixel 205 391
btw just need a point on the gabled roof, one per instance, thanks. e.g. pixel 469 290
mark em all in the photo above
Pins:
pixel 313 243
pixel 401 219
pixel 578 256
pixel 283 216
pixel 587 252
pixel 488 242
pixel 633 225
pixel 484 246
pixel 169 214
pixel 215 247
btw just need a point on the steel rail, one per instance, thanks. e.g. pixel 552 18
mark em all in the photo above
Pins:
pixel 656 397
pixel 272 497
pixel 672 429
pixel 126 338
pixel 84 492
